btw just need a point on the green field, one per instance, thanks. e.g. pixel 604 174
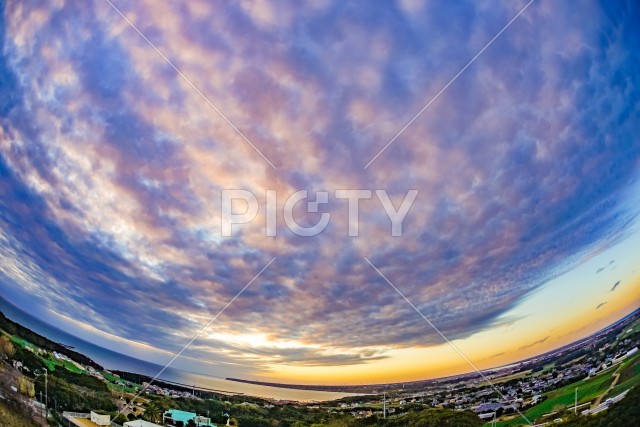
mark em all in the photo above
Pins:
pixel 110 377
pixel 633 328
pixel 22 342
pixel 121 389
pixel 50 359
pixel 564 397
pixel 52 363
pixel 112 386
pixel 588 390
pixel 629 376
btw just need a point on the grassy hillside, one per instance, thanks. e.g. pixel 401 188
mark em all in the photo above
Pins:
pixel 629 377
pixel 588 390
pixel 12 418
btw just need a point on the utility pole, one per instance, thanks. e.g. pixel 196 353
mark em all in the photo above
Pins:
pixel 575 405
pixel 46 390
pixel 384 405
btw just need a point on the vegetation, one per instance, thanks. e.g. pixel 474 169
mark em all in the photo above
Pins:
pixel 72 388
pixel 629 377
pixel 561 398
pixel 246 414
pixel 13 328
pixel 70 396
pixel 625 413
pixel 12 416
pixel 436 418
pixel 82 380
pixel 28 359
pixel 7 349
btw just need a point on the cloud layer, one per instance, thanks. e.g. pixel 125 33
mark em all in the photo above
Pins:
pixel 111 165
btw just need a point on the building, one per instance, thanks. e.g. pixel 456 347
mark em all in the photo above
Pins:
pixel 91 419
pixel 100 419
pixel 184 416
pixel 487 407
pixel 140 423
pixel 487 416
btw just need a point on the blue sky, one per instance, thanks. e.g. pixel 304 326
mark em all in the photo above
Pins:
pixel 111 168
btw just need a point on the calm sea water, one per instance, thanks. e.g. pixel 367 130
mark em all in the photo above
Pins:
pixel 116 361
pixel 206 381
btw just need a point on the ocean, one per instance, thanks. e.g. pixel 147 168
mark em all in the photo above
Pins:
pixel 116 361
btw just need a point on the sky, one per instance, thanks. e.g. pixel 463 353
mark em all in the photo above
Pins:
pixel 123 123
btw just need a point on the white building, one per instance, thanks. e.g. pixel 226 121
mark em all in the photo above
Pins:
pixel 99 419
pixel 140 423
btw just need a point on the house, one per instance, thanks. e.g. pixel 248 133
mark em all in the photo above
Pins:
pixel 485 407
pixel 184 416
pixel 100 419
pixel 140 423
pixel 487 416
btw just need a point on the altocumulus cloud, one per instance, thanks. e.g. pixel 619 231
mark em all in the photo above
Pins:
pixel 112 166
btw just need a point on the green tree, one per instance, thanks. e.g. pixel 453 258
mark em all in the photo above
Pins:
pixel 153 413
pixel 436 418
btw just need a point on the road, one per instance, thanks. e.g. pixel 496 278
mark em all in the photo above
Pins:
pixel 613 384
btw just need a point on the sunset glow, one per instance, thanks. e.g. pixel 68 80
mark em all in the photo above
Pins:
pixel 122 124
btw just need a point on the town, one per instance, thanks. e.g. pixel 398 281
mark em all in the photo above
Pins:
pixel 56 386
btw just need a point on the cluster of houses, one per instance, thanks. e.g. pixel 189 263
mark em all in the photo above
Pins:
pixel 172 417
pixel 529 391
pixel 521 394
pixel 163 391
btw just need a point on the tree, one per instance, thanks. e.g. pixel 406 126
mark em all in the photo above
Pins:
pixel 435 418
pixel 25 387
pixel 120 419
pixel 6 347
pixel 153 413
